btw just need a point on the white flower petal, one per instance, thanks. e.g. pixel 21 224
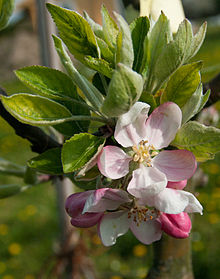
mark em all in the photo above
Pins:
pixel 113 225
pixel 174 202
pixel 162 124
pixel 147 232
pixel 130 127
pixel 113 162
pixel 146 181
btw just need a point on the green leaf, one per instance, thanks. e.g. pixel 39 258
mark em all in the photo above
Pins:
pixel 125 53
pixel 90 92
pixel 203 141
pixel 182 84
pixel 198 40
pixel 75 31
pixel 139 30
pixel 9 190
pixel 36 110
pixel 47 82
pixel 157 39
pixel 10 168
pixel 176 53
pixel 6 10
pixel 57 86
pixel 48 162
pixel 194 104
pixel 124 90
pixel 106 53
pixel 110 28
pixel 99 65
pixel 79 150
pixel 96 28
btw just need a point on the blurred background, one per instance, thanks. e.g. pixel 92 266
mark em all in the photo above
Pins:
pixel 29 225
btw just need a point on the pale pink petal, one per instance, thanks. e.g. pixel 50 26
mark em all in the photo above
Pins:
pixel 113 225
pixel 174 202
pixel 147 231
pixel 105 199
pixel 113 162
pixel 175 164
pixel 162 124
pixel 176 225
pixel 130 127
pixel 74 207
pixel 178 185
pixel 146 181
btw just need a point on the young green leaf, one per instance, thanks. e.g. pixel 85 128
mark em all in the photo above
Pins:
pixel 194 104
pixel 79 150
pixel 48 82
pixel 182 84
pixel 139 30
pixel 99 65
pixel 110 28
pixel 197 40
pixel 90 92
pixel 157 39
pixel 75 31
pixel 203 141
pixel 176 53
pixel 9 190
pixel 125 53
pixel 48 162
pixel 36 110
pixel 57 86
pixel 106 52
pixel 96 28
pixel 124 90
pixel 6 9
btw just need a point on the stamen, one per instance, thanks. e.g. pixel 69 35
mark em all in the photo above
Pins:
pixel 142 214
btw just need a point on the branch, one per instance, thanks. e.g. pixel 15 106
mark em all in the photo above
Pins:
pixel 40 141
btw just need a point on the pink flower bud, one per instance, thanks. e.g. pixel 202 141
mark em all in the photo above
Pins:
pixel 74 207
pixel 176 225
pixel 178 185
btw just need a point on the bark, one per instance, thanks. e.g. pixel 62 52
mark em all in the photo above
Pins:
pixel 172 259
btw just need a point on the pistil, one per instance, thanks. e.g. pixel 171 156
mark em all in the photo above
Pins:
pixel 144 153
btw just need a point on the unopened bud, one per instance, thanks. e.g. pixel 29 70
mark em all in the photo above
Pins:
pixel 176 225
pixel 74 207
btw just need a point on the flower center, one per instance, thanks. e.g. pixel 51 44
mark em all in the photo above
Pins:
pixel 142 214
pixel 144 152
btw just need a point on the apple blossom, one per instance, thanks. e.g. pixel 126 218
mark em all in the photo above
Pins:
pixel 143 138
pixel 115 212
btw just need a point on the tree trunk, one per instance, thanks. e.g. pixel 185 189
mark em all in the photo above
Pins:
pixel 172 259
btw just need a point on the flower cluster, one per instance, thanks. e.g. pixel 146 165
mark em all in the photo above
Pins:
pixel 149 197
